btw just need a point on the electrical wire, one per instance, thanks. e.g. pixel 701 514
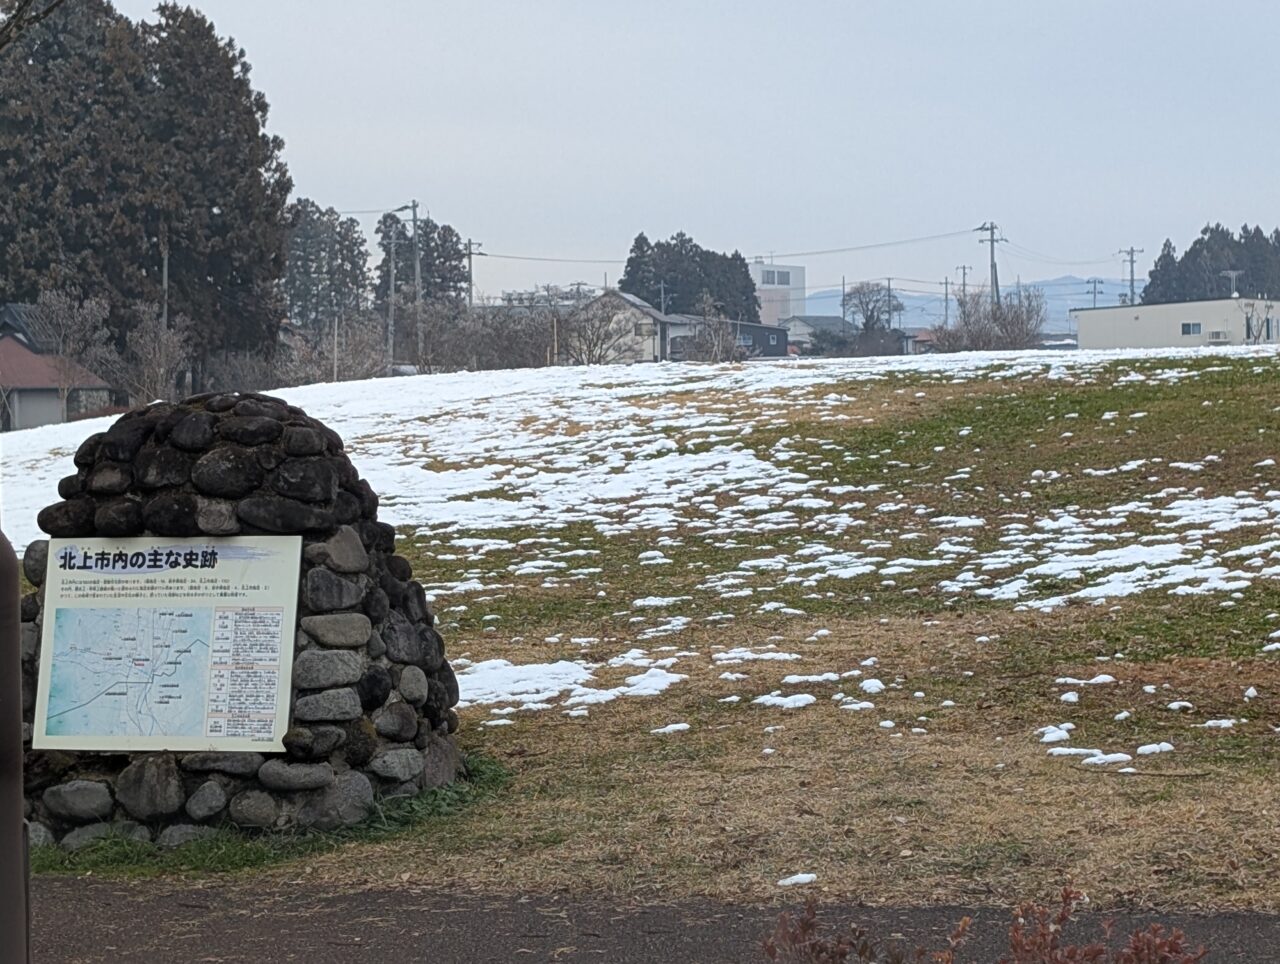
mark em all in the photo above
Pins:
pixel 869 247
pixel 1027 254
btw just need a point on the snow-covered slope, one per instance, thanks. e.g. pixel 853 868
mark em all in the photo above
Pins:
pixel 498 449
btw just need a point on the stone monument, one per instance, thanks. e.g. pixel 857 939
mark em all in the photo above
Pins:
pixel 373 695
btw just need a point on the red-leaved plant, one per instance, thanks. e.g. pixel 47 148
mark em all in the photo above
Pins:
pixel 1035 937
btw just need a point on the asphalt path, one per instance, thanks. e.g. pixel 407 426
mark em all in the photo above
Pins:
pixel 85 920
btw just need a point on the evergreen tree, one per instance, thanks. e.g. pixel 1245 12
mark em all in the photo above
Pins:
pixel 119 141
pixel 1198 274
pixel 1163 282
pixel 70 186
pixel 690 274
pixel 639 277
pixel 442 258
pixel 326 266
pixel 222 185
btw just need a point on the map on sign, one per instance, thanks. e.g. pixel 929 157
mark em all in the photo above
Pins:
pixel 167 644
pixel 129 672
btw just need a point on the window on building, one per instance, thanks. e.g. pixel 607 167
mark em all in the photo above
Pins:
pixel 784 278
pixel 773 339
pixel 767 277
pixel 1191 327
pixel 745 341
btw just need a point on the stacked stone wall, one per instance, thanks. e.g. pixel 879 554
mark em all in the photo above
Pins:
pixel 371 712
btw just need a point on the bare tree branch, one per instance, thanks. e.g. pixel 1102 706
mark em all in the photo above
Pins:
pixel 715 339
pixel 74 336
pixel 155 355
pixel 23 18
pixel 596 334
pixel 872 305
pixel 983 325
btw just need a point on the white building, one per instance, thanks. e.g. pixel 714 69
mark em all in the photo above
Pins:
pixel 1222 321
pixel 780 288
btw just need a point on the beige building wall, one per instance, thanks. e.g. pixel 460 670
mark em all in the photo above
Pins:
pixel 780 288
pixel 1185 324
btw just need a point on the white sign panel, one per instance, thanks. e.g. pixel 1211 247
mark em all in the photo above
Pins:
pixel 159 643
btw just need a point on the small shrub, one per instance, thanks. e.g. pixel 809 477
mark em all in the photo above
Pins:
pixel 1035 937
pixel 798 941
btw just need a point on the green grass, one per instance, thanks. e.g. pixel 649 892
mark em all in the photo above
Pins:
pixel 231 850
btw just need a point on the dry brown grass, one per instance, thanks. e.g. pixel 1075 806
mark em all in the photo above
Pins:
pixel 972 811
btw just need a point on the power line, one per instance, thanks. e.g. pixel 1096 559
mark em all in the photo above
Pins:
pixel 868 247
pixel 1023 253
pixel 530 257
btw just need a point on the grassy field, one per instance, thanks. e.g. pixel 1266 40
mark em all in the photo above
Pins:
pixel 941 537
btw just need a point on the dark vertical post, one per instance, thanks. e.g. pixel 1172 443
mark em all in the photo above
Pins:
pixel 15 924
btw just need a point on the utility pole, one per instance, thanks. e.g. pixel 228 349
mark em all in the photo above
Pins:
pixel 964 270
pixel 164 276
pixel 889 301
pixel 471 247
pixel 844 313
pixel 662 325
pixel 1232 273
pixel 991 228
pixel 946 302
pixel 1093 288
pixel 417 279
pixel 1131 252
pixel 417 258
pixel 391 306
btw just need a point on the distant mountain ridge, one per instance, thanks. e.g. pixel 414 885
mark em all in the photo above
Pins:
pixel 1061 294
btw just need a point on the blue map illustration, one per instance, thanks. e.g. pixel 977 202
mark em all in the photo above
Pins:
pixel 129 672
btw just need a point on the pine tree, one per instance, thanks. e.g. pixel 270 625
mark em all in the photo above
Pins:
pixel 639 277
pixel 1163 282
pixel 442 257
pixel 1198 274
pixel 118 141
pixel 690 274
pixel 222 186
pixel 326 267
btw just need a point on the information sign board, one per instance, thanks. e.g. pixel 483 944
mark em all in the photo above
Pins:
pixel 158 643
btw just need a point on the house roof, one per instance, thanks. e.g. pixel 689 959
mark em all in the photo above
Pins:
pixel 831 323
pixel 20 367
pixel 639 304
pixel 698 320
pixel 15 319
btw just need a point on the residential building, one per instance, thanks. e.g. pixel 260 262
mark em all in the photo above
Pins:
pixel 750 340
pixel 635 331
pixel 1220 321
pixel 804 333
pixel 31 380
pixel 780 288
pixel 802 328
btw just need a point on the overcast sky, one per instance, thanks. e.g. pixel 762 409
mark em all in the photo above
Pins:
pixel 560 129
